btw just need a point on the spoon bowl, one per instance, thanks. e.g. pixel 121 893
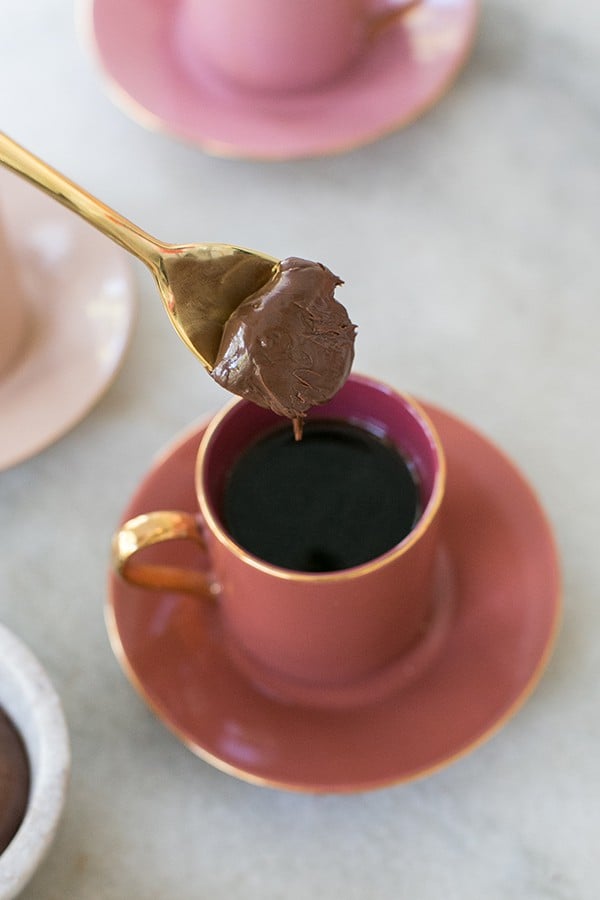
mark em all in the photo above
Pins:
pixel 200 284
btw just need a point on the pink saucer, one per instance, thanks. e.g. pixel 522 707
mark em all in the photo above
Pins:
pixel 503 572
pixel 407 68
pixel 79 291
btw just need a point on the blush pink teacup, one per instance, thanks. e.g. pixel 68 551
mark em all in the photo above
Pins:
pixel 277 45
pixel 304 636
pixel 13 313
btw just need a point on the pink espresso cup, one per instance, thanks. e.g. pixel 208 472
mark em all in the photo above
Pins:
pixel 278 45
pixel 13 314
pixel 304 636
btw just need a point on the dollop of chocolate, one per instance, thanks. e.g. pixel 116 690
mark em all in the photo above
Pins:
pixel 289 346
pixel 14 781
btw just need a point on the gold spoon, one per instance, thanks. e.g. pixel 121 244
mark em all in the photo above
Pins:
pixel 200 284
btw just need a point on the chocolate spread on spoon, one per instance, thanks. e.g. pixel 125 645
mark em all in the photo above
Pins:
pixel 290 345
pixel 14 781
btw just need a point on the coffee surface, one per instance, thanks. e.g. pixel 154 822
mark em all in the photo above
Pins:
pixel 14 780
pixel 340 497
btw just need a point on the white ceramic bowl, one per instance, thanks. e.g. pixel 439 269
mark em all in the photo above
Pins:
pixel 29 699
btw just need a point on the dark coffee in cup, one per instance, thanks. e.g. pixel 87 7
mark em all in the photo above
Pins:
pixel 337 499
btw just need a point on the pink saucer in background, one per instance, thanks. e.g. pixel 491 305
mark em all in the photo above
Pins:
pixel 79 293
pixel 501 575
pixel 406 69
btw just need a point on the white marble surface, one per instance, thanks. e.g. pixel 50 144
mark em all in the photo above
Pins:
pixel 469 246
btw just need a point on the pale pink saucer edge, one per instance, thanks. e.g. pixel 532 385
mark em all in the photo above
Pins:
pixel 81 297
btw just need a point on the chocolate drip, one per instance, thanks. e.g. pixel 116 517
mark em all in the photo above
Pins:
pixel 289 346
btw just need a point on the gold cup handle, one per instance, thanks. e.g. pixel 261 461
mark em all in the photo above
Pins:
pixel 154 528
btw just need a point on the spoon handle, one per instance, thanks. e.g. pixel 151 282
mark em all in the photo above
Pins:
pixel 102 217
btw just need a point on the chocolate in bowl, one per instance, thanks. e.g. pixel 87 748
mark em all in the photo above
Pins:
pixel 32 705
pixel 14 780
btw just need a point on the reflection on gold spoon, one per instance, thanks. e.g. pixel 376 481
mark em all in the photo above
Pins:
pixel 200 284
